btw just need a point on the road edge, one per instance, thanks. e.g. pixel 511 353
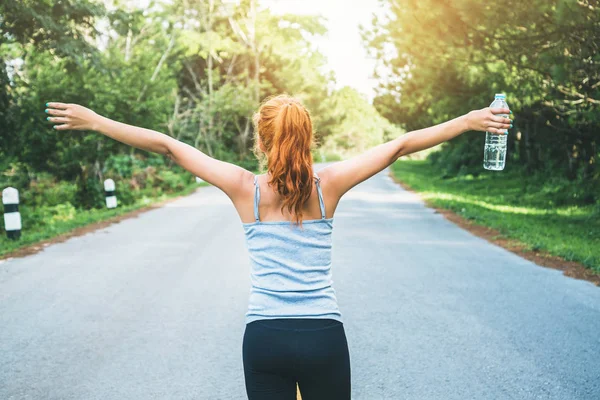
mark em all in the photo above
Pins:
pixel 92 227
pixel 572 269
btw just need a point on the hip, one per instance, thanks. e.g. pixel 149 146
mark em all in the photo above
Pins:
pixel 294 343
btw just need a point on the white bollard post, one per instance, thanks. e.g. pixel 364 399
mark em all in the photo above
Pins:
pixel 109 190
pixel 12 217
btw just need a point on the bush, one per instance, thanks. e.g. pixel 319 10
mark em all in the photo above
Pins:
pixel 45 190
pixel 135 177
pixel 460 156
pixel 126 195
pixel 127 165
pixel 90 193
pixel 61 213
pixel 16 174
pixel 171 181
pixel 119 164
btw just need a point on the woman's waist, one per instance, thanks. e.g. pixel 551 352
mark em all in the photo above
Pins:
pixel 308 304
pixel 278 285
pixel 266 298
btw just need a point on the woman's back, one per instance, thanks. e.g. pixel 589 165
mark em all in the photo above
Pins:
pixel 290 265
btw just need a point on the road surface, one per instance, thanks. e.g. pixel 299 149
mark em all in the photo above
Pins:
pixel 153 308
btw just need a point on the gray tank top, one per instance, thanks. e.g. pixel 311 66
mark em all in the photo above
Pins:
pixel 290 266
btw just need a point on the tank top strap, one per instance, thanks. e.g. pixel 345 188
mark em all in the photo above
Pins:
pixel 320 194
pixel 256 198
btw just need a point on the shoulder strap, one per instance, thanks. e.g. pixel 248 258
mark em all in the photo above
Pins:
pixel 320 194
pixel 256 198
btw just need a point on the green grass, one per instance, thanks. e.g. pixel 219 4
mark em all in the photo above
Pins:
pixel 63 219
pixel 519 206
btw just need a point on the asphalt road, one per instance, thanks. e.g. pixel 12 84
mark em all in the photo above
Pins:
pixel 153 308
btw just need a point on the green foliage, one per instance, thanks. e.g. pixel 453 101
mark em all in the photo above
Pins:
pixel 358 126
pixel 45 190
pixel 125 194
pixel 59 26
pixel 29 26
pixel 15 174
pixel 90 192
pixel 544 213
pixel 138 177
pixel 173 182
pixel 444 59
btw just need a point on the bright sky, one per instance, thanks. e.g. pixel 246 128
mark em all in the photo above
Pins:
pixel 342 45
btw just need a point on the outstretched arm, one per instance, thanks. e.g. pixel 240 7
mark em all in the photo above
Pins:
pixel 228 177
pixel 344 175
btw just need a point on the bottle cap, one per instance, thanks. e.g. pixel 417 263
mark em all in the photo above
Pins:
pixel 500 96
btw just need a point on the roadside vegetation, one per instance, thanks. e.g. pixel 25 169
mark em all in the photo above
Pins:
pixel 541 213
pixel 49 207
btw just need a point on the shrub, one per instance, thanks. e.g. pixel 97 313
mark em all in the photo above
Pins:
pixel 45 190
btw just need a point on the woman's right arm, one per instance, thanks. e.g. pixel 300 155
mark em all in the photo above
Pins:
pixel 228 177
pixel 344 175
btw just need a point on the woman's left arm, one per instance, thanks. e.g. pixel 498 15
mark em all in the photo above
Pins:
pixel 228 177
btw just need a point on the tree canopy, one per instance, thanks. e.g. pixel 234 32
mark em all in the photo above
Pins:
pixel 439 59
pixel 193 69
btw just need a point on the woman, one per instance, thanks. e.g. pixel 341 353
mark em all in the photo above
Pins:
pixel 294 331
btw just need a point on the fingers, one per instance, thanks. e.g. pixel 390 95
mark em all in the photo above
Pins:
pixel 57 109
pixel 501 120
pixel 62 127
pixel 500 110
pixel 499 125
pixel 497 131
pixel 494 123
pixel 56 112
pixel 58 119
pixel 62 106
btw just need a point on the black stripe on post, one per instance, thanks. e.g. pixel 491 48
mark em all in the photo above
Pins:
pixel 14 235
pixel 11 208
pixel 109 193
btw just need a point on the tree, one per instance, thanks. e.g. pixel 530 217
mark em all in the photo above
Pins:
pixel 445 57
pixel 27 26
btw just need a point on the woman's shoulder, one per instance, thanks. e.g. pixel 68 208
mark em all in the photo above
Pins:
pixel 324 174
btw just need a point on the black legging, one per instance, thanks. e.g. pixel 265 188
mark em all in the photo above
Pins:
pixel 278 353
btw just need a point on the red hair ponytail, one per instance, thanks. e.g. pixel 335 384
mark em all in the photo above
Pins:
pixel 285 130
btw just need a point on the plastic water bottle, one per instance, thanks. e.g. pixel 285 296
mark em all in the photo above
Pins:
pixel 494 153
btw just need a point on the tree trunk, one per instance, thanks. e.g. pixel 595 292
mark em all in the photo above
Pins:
pixel 211 121
pixel 255 50
pixel 128 46
pixel 158 66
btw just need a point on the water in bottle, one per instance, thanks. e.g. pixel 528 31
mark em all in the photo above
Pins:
pixel 494 154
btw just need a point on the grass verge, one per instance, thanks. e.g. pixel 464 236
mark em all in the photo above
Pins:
pixel 514 206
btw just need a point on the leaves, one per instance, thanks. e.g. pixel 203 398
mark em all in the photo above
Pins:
pixel 450 57
pixel 194 69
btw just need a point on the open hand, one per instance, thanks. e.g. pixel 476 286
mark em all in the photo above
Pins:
pixel 71 116
pixel 486 120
